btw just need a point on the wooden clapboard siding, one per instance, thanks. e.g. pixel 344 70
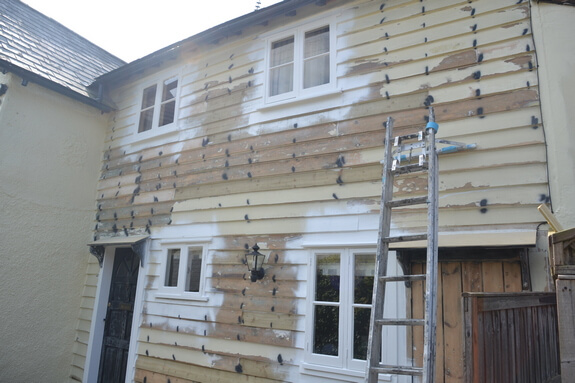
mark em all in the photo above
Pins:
pixel 84 320
pixel 240 173
pixel 455 278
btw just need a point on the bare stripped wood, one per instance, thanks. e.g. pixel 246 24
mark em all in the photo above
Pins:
pixel 250 366
pixel 215 345
pixel 512 277
pixel 197 373
pixel 493 277
pixel 452 322
pixel 156 377
pixel 417 309
pixel 213 330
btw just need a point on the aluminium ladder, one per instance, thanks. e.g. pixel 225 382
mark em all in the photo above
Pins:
pixel 397 163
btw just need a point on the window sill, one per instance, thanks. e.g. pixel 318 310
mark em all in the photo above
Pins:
pixel 153 134
pixel 182 297
pixel 297 101
pixel 336 374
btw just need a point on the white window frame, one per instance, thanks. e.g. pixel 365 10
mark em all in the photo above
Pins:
pixel 344 361
pixel 298 92
pixel 156 128
pixel 178 291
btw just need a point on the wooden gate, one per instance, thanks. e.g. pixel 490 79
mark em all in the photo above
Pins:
pixel 511 338
pixel 460 270
pixel 119 314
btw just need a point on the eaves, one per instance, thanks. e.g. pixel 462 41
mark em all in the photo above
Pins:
pixel 212 35
pixel 28 76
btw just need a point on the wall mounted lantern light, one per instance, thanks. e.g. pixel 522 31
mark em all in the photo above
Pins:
pixel 255 261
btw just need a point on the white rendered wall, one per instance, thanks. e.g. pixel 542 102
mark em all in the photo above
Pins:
pixel 553 30
pixel 50 153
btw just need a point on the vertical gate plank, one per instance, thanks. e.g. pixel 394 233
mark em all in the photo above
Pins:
pixel 440 345
pixel 512 277
pixel 472 280
pixel 452 316
pixel 417 294
pixel 565 298
pixel 492 273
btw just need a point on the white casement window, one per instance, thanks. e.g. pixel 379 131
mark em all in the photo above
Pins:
pixel 158 106
pixel 183 271
pixel 300 63
pixel 340 307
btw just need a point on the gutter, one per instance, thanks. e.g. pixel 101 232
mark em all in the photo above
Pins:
pixel 28 76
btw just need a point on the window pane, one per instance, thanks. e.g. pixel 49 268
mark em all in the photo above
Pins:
pixel 326 330
pixel 149 97
pixel 360 332
pixel 316 42
pixel 281 80
pixel 194 270
pixel 327 278
pixel 146 118
pixel 172 267
pixel 316 71
pixel 170 89
pixel 363 278
pixel 167 113
pixel 282 52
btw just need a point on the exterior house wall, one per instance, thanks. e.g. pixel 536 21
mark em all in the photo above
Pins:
pixel 305 175
pixel 50 148
pixel 556 62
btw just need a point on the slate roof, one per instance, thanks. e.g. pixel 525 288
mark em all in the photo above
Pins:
pixel 49 53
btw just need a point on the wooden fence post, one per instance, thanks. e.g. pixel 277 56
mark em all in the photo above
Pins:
pixel 562 259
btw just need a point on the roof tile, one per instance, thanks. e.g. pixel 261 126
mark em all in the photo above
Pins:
pixel 39 44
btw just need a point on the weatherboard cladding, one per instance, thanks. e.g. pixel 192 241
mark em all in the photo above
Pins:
pixel 229 174
pixel 39 45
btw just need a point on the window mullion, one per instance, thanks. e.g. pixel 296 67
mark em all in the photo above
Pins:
pixel 158 105
pixel 182 272
pixel 298 61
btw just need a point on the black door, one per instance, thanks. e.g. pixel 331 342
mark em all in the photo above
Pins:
pixel 119 314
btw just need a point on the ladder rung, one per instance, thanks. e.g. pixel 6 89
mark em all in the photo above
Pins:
pixel 398 370
pixel 402 278
pixel 400 322
pixel 405 238
pixel 407 202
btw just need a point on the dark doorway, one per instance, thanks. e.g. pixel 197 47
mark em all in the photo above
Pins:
pixel 117 329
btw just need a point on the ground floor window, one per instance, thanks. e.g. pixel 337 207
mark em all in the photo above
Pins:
pixel 340 306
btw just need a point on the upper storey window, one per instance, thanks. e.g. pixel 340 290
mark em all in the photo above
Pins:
pixel 300 63
pixel 158 106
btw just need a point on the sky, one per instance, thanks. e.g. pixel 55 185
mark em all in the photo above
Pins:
pixel 131 29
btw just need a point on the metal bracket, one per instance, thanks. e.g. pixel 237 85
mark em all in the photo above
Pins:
pixel 98 251
pixel 139 248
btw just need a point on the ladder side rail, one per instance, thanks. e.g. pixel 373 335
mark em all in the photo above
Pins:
pixel 429 348
pixel 375 332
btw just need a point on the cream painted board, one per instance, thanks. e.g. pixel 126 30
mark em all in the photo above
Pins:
pixel 359 190
pixel 479 157
pixel 189 310
pixel 197 373
pixel 412 32
pixel 492 84
pixel 493 13
pixel 397 51
pixel 461 129
pixel 314 225
pixel 336 209
pixel 215 345
pixel 495 51
pixel 459 83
